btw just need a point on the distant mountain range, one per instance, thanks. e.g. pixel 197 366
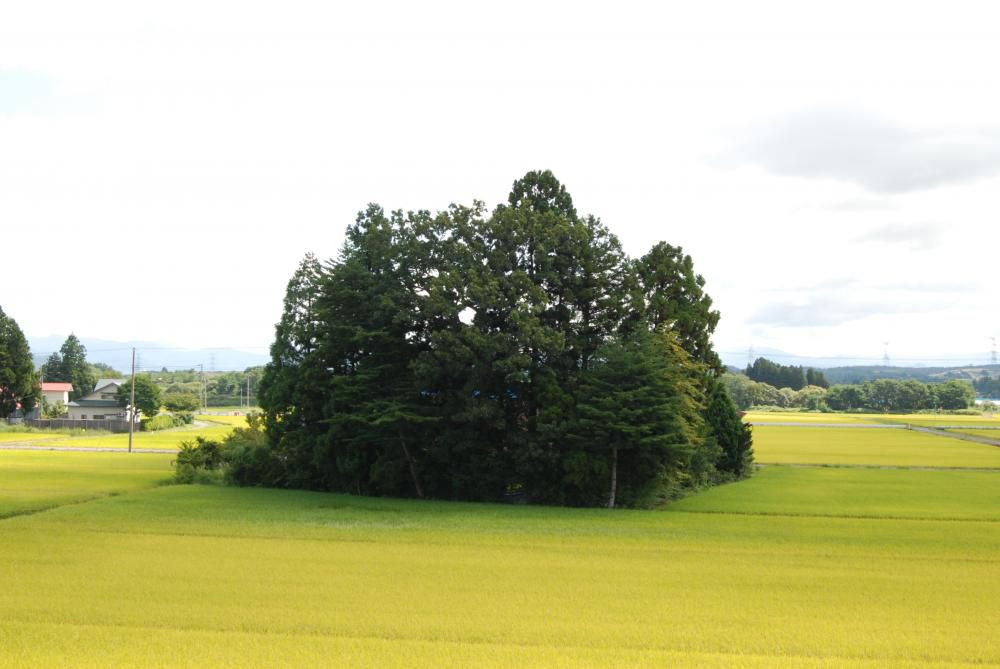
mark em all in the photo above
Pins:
pixel 151 356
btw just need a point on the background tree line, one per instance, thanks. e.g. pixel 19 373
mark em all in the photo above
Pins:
pixel 987 386
pixel 785 376
pixel 880 395
pixel 475 355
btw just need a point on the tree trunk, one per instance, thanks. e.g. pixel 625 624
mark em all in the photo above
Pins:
pixel 413 468
pixel 614 477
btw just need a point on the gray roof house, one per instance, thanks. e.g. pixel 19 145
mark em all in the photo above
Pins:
pixel 102 404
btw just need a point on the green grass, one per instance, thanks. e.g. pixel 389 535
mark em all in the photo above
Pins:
pixel 864 446
pixel 34 480
pixel 196 576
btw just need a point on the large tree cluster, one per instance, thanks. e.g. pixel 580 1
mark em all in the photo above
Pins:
pixel 516 353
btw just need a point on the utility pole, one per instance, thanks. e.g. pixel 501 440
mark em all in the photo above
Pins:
pixel 131 405
pixel 204 394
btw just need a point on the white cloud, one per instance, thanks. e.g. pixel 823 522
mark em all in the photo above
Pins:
pixel 209 149
pixel 869 151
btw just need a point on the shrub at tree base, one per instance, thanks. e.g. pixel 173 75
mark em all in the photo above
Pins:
pixel 241 458
pixel 166 421
pixel 468 355
pixel 181 402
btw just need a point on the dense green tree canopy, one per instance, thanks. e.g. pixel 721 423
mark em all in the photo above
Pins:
pixel 181 402
pixel 70 365
pixel 18 381
pixel 147 394
pixel 475 355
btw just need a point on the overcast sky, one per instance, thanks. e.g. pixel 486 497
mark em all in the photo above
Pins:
pixel 833 168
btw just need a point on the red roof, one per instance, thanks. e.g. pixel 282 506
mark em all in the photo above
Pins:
pixel 56 387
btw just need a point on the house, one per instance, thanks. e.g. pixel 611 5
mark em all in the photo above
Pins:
pixel 56 392
pixel 101 404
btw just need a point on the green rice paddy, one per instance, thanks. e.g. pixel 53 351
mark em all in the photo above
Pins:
pixel 796 567
pixel 922 419
pixel 35 480
pixel 868 446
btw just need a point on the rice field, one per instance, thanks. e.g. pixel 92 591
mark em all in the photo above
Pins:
pixel 795 567
pixel 875 447
pixel 921 419
pixel 757 417
pixel 35 480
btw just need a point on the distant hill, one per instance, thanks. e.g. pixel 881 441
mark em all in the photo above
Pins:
pixel 151 356
pixel 861 373
pixel 840 369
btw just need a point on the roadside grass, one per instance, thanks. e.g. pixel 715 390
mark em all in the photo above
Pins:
pixel 196 576
pixel 932 420
pixel 34 480
pixel 841 446
pixel 989 434
pixel 28 433
pixel 10 436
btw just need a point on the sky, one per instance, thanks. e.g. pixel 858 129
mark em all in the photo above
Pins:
pixel 832 168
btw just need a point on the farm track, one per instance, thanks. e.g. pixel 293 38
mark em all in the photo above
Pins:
pixel 956 435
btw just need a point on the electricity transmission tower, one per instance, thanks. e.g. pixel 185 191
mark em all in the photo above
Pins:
pixel 885 353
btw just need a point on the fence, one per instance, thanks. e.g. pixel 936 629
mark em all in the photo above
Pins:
pixel 79 424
